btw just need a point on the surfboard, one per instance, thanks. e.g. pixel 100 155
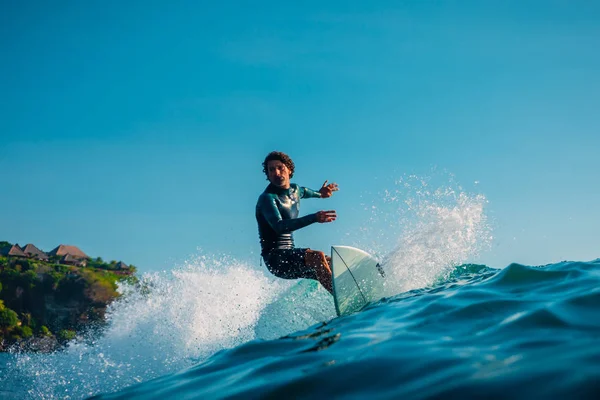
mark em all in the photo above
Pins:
pixel 358 279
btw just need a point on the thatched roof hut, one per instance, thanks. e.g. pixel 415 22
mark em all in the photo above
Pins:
pixel 121 265
pixel 64 250
pixel 12 251
pixel 72 260
pixel 31 251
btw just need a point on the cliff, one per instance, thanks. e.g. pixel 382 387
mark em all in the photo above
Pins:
pixel 44 304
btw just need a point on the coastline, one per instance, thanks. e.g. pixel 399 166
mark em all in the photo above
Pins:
pixel 47 299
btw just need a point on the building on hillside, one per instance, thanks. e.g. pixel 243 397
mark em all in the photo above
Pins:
pixel 121 265
pixel 69 259
pixel 33 252
pixel 64 250
pixel 13 251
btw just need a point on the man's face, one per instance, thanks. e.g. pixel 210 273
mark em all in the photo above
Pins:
pixel 279 174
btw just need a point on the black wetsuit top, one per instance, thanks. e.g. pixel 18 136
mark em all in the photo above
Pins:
pixel 277 216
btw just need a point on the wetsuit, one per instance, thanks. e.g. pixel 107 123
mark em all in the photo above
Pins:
pixel 277 216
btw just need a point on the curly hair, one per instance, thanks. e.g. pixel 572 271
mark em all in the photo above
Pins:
pixel 278 155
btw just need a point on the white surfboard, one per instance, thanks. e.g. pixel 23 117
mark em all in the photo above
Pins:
pixel 358 279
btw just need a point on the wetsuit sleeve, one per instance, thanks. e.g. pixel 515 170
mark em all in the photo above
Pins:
pixel 271 213
pixel 306 193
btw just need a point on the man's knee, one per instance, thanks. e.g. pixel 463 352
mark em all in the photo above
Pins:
pixel 315 257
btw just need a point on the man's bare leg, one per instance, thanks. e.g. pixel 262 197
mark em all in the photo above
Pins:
pixel 319 261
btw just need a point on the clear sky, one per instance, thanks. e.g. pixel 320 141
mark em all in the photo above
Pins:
pixel 135 130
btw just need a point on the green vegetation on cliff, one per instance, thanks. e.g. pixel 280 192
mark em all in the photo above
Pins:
pixel 46 299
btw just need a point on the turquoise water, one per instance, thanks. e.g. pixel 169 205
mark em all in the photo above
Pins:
pixel 217 327
pixel 522 332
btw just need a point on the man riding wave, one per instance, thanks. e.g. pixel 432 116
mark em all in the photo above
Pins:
pixel 277 212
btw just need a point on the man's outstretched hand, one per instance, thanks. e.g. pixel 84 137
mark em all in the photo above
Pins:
pixel 327 190
pixel 326 216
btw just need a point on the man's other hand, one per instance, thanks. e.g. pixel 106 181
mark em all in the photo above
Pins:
pixel 326 216
pixel 327 190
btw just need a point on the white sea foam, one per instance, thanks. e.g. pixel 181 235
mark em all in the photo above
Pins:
pixel 423 229
pixel 173 320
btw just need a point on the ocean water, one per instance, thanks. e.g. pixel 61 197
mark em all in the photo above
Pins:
pixel 217 327
pixel 523 332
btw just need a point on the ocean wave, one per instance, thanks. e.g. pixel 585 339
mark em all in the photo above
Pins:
pixel 514 333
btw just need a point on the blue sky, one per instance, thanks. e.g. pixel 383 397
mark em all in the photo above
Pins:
pixel 137 131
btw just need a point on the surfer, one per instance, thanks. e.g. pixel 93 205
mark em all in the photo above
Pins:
pixel 277 216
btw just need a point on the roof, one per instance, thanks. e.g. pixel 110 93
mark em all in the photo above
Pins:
pixel 31 250
pixel 13 250
pixel 64 249
pixel 72 259
pixel 121 265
